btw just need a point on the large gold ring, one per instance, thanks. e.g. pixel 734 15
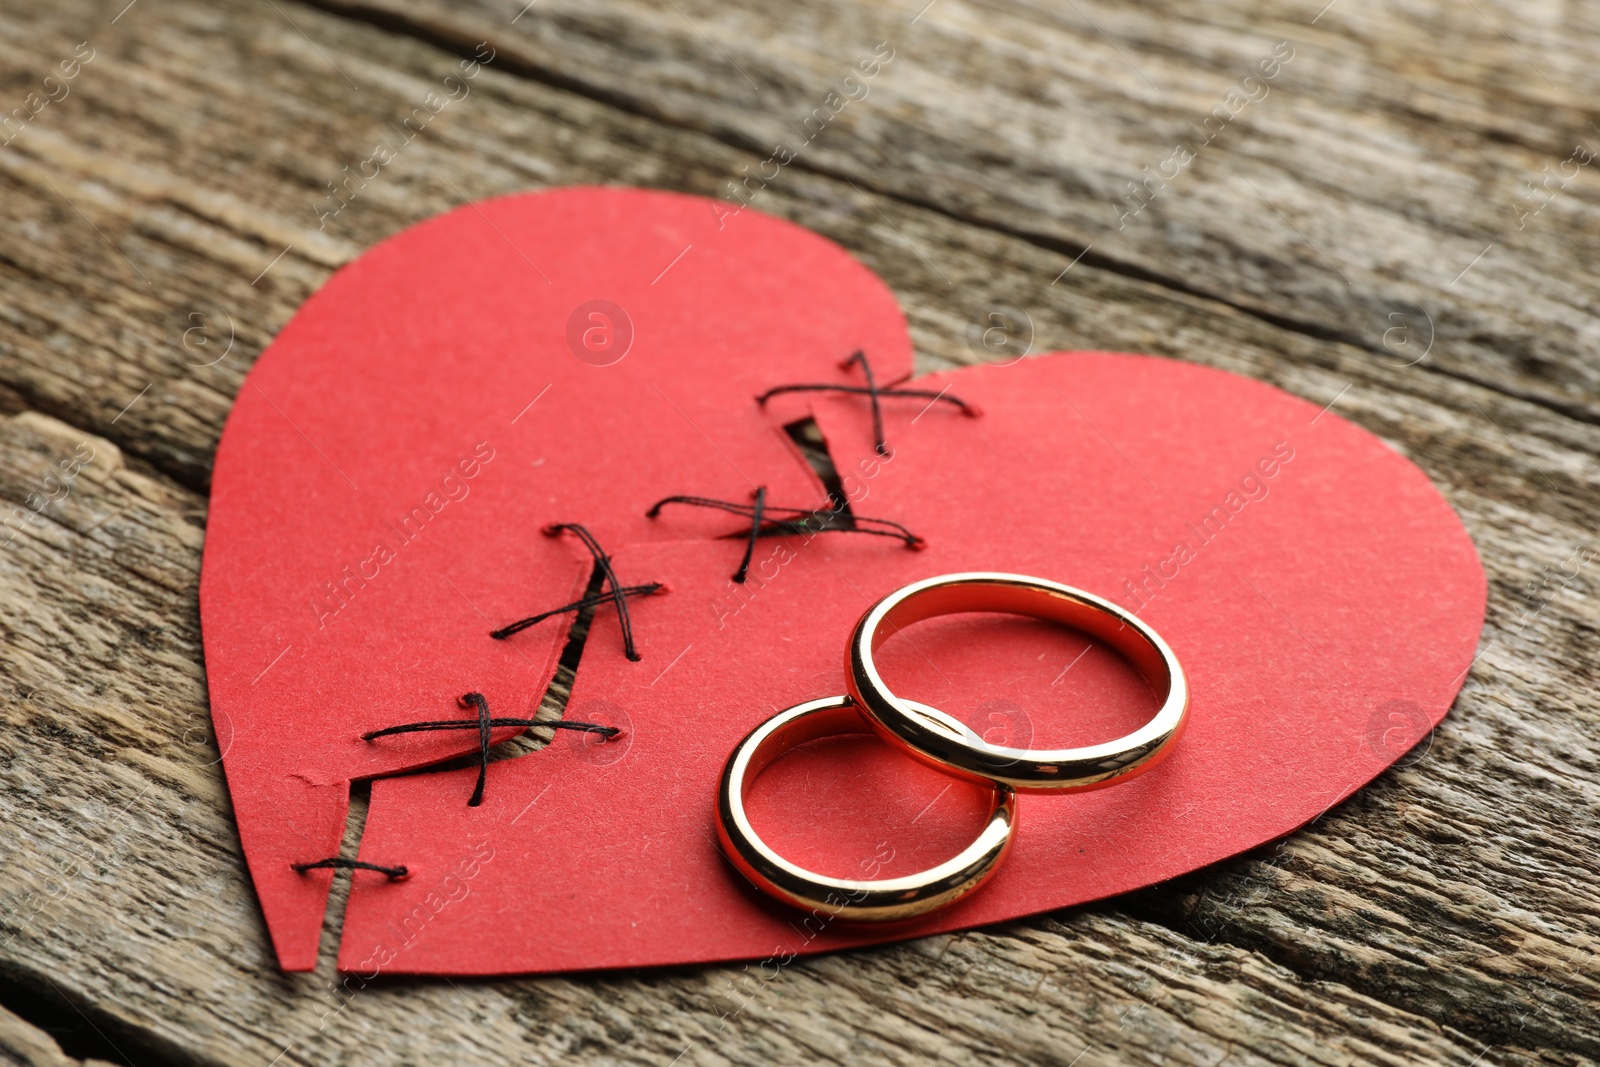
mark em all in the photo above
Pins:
pixel 878 900
pixel 958 750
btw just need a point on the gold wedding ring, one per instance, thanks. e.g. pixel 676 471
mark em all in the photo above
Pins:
pixel 947 744
pixel 858 900
pixel 958 750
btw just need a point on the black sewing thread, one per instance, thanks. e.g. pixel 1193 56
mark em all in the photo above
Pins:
pixel 755 531
pixel 873 392
pixel 603 561
pixel 342 864
pixel 484 723
pixel 797 520
pixel 792 521
pixel 577 605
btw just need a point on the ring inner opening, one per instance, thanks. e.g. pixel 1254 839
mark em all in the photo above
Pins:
pixel 1073 677
pixel 849 806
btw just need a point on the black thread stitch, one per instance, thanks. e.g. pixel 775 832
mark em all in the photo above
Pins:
pixel 755 531
pixel 577 605
pixel 602 561
pixel 342 864
pixel 787 520
pixel 872 391
pixel 484 723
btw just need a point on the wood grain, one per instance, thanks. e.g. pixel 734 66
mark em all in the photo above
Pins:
pixel 1448 913
pixel 1385 154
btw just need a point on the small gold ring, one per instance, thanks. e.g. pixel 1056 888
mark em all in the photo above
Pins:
pixel 857 900
pixel 957 749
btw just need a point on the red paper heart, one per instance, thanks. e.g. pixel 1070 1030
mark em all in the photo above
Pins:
pixel 1326 607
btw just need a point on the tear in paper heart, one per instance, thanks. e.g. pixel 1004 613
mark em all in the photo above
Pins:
pixel 574 357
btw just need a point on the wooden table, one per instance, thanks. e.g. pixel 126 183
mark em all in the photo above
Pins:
pixel 1358 228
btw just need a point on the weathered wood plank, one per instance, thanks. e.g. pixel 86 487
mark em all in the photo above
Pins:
pixel 1445 909
pixel 125 888
pixel 24 1045
pixel 1375 153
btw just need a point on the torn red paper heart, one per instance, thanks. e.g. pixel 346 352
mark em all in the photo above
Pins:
pixel 1324 600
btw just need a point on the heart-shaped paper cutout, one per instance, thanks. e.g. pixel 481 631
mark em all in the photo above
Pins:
pixel 1324 599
